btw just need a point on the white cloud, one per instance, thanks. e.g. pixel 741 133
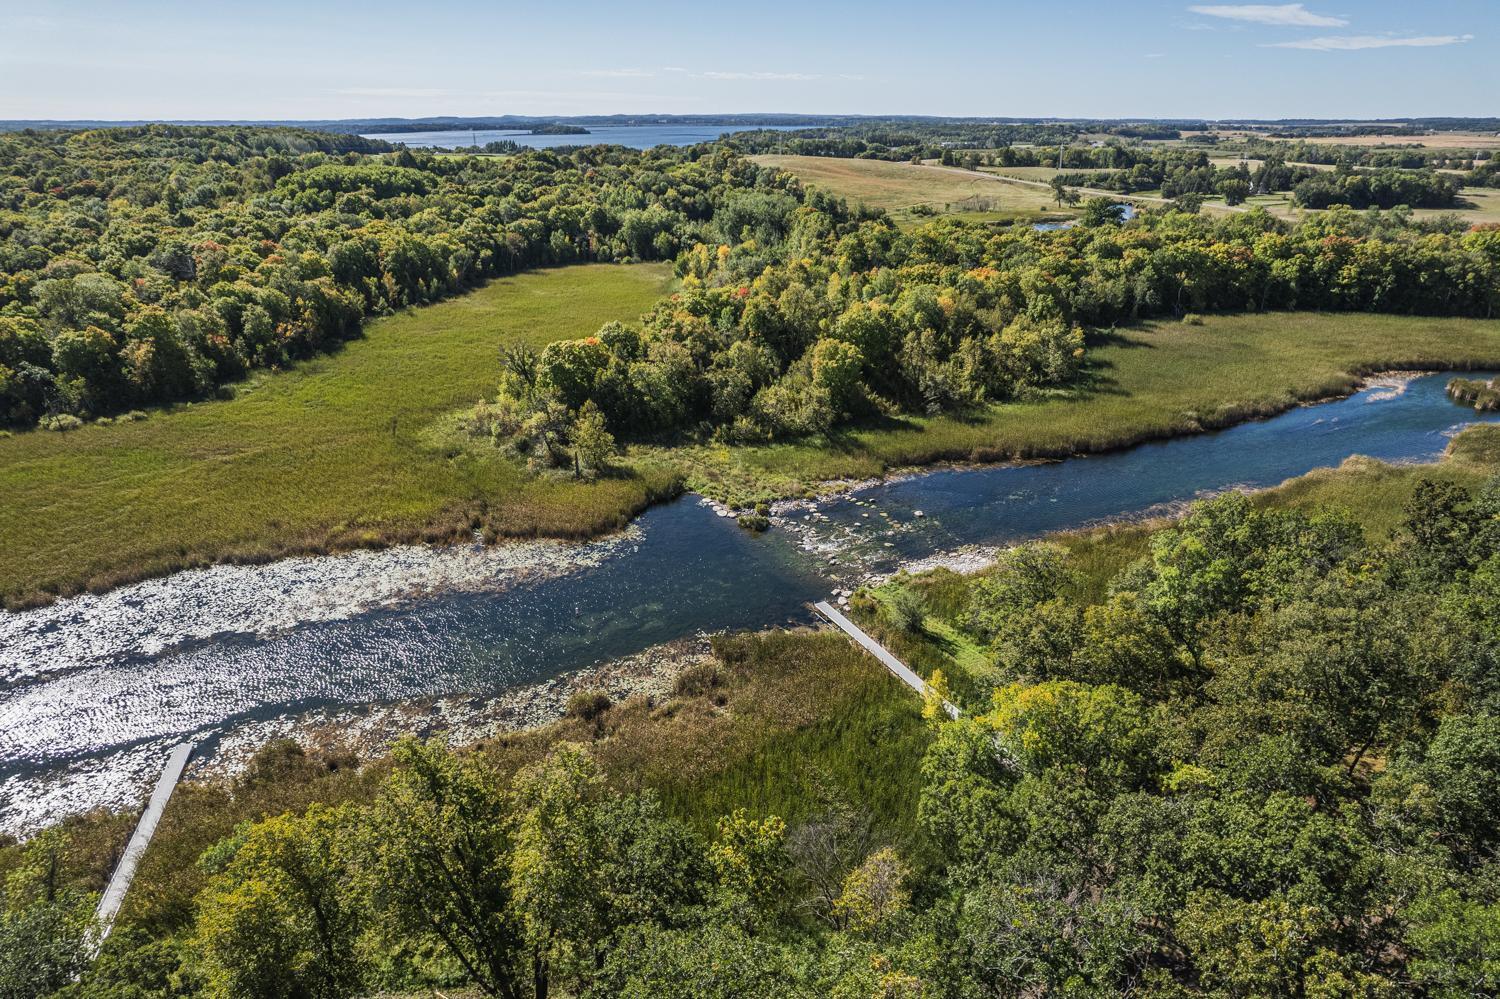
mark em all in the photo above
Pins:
pixel 1294 14
pixel 1350 43
pixel 758 75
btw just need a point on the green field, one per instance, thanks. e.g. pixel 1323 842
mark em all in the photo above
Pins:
pixel 349 449
pixel 1153 381
pixel 898 188
pixel 338 451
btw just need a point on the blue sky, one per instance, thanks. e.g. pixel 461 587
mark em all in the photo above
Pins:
pixel 1104 58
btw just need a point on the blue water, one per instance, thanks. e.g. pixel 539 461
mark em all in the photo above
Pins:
pixel 688 570
pixel 634 136
pixel 1127 212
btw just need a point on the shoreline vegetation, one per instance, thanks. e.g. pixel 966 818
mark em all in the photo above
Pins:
pixel 798 724
pixel 1149 382
pixel 804 341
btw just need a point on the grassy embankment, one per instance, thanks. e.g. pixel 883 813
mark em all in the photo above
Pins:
pixel 347 449
pixel 781 723
pixel 904 189
pixel 1372 492
pixel 336 452
pixel 1154 381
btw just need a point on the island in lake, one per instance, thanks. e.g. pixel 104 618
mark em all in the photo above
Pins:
pixel 555 128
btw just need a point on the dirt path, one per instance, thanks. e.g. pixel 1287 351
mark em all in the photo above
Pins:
pixel 1092 192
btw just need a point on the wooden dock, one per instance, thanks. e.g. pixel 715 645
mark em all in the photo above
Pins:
pixel 119 884
pixel 902 672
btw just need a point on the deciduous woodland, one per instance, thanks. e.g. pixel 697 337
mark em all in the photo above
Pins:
pixel 1254 752
pixel 150 265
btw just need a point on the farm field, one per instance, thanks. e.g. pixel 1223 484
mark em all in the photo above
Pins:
pixel 904 188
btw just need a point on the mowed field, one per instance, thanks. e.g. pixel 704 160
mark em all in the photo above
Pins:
pixel 338 451
pixel 899 187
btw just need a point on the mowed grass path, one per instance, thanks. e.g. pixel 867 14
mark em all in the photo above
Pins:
pixel 899 187
pixel 1157 380
pixel 338 451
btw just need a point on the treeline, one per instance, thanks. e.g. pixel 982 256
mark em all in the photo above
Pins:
pixel 1179 172
pixel 809 323
pixel 1262 760
pixel 901 141
pixel 1378 189
pixel 146 265
pixel 1413 157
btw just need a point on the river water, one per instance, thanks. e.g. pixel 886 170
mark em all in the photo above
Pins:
pixel 94 689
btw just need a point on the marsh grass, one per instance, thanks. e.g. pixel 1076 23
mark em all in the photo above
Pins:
pixel 778 723
pixel 337 452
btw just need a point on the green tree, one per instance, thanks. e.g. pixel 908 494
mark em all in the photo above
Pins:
pixel 750 866
pixel 593 444
pixel 46 925
pixel 437 864
pixel 282 919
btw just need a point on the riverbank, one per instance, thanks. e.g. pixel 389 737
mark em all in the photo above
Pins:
pixel 1152 382
pixel 244 481
pixel 336 453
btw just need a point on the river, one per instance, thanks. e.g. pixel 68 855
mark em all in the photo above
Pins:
pixel 95 688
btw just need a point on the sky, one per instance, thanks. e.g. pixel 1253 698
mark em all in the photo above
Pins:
pixel 274 59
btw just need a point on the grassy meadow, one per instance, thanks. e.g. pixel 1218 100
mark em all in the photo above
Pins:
pixel 338 451
pixel 898 188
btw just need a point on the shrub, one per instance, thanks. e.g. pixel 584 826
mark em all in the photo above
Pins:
pixel 698 679
pixel 903 610
pixel 754 522
pixel 61 422
pixel 587 705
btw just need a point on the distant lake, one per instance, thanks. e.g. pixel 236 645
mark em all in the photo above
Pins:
pixel 634 136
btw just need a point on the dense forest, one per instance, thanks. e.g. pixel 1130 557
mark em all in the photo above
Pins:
pixel 797 329
pixel 1261 760
pixel 142 266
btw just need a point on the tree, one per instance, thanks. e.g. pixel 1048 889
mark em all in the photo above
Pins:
pixel 1457 945
pixel 281 918
pixel 558 860
pixel 46 926
pixel 436 864
pixel 1022 577
pixel 593 444
pixel 750 866
pixel 1062 193
pixel 875 894
pixel 1234 190
pixel 1101 211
